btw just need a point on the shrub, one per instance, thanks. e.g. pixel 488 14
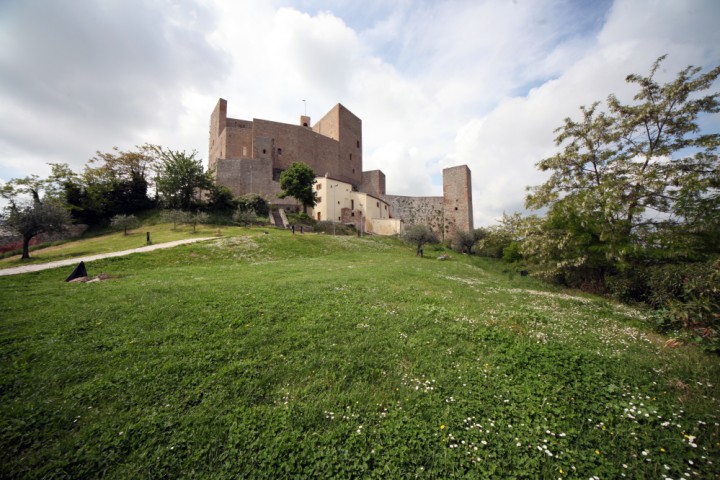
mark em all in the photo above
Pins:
pixel 246 218
pixel 463 241
pixel 253 202
pixel 511 253
pixel 124 222
pixel 334 228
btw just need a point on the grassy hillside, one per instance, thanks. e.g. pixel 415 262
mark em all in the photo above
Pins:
pixel 307 355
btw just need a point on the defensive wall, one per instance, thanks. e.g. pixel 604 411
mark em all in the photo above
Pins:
pixel 248 156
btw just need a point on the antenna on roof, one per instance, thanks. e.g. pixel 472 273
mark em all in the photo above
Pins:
pixel 305 104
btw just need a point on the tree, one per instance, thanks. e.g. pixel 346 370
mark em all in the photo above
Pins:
pixel 419 235
pixel 254 202
pixel 30 220
pixel 633 183
pixel 180 177
pixel 33 208
pixel 463 241
pixel 220 198
pixel 198 218
pixel 297 181
pixel 175 217
pixel 124 222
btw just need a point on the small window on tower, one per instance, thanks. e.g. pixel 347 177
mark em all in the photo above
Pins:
pixel 264 151
pixel 279 151
pixel 358 144
pixel 318 186
pixel 351 157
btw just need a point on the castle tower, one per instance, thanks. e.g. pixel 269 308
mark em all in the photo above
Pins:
pixel 342 125
pixel 457 199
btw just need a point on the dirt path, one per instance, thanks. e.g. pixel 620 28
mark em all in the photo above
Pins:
pixel 73 261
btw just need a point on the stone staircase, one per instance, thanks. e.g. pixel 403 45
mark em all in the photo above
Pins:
pixel 278 218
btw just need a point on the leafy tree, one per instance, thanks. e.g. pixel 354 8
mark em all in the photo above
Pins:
pixel 33 219
pixel 419 235
pixel 491 241
pixel 463 241
pixel 175 217
pixel 633 183
pixel 254 202
pixel 180 178
pixel 198 218
pixel 297 181
pixel 124 222
pixel 220 198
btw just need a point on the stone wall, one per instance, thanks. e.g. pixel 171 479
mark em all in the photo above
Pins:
pixel 417 210
pixel 457 199
pixel 373 182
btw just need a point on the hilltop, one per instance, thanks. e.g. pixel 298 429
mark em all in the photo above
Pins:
pixel 273 355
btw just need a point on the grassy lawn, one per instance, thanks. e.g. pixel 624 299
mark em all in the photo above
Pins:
pixel 270 356
pixel 114 242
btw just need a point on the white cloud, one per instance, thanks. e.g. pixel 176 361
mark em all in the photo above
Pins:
pixel 435 83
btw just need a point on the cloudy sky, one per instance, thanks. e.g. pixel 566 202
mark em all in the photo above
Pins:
pixel 436 83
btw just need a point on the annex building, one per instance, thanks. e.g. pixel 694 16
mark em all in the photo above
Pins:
pixel 248 156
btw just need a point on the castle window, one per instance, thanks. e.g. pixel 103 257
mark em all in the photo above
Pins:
pixel 319 199
pixel 318 186
pixel 456 208
pixel 351 157
pixel 358 144
pixel 318 216
pixel 378 204
pixel 264 151
pixel 279 151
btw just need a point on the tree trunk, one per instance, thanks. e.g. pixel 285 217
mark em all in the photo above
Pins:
pixel 26 247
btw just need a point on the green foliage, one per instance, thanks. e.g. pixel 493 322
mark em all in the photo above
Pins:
pixel 32 219
pixel 511 253
pixel 253 202
pixel 463 241
pixel 220 199
pixel 175 217
pixel 491 241
pixel 198 218
pixel 301 219
pixel 297 181
pixel 419 235
pixel 619 168
pixel 317 356
pixel 180 179
pixel 124 222
pixel 245 217
pixel 334 228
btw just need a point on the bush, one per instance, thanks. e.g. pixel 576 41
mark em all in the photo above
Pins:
pixel 511 253
pixel 463 241
pixel 301 219
pixel 253 202
pixel 243 217
pixel 334 228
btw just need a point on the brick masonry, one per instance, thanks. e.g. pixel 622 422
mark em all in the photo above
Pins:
pixel 247 156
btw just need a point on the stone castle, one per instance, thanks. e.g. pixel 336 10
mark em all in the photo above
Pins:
pixel 248 156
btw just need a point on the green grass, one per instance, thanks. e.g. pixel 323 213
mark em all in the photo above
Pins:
pixel 160 233
pixel 316 356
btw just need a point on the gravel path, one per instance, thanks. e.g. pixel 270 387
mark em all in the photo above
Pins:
pixel 73 261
